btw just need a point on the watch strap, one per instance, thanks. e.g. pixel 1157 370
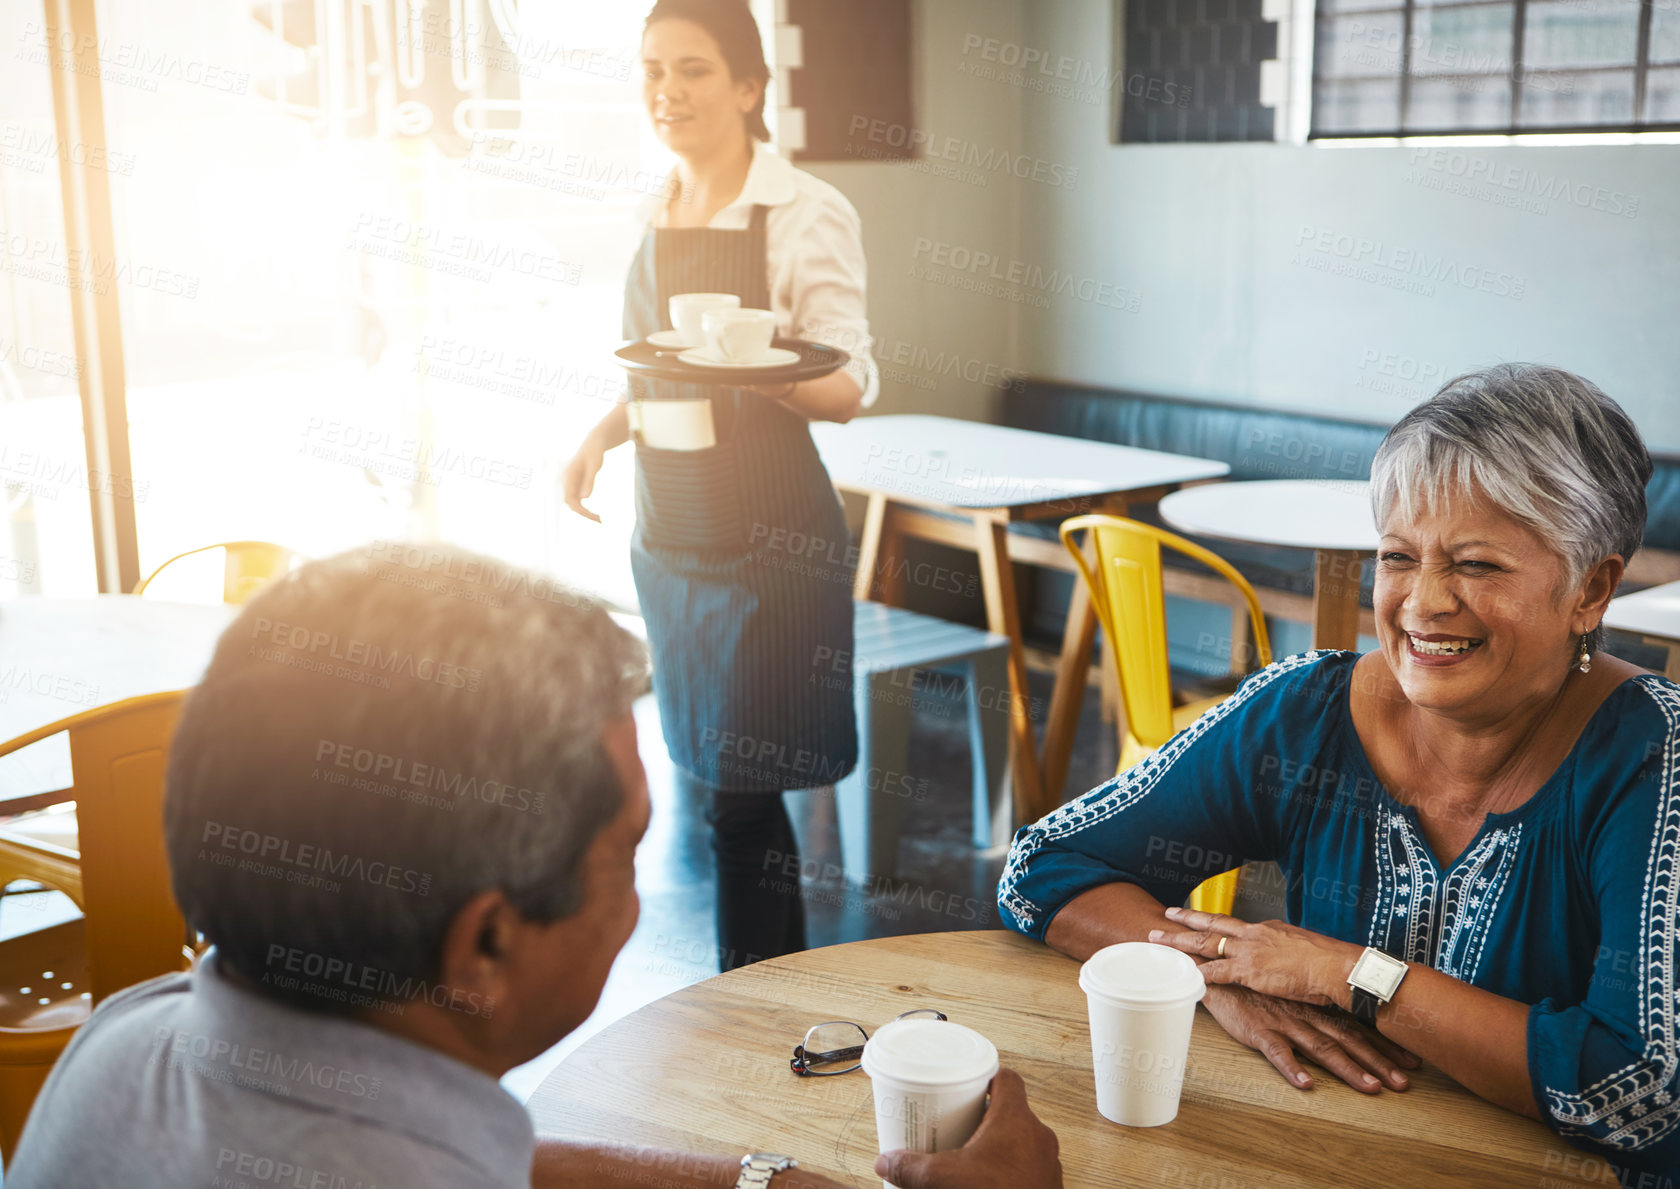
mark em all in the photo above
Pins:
pixel 1365 1005
pixel 758 1167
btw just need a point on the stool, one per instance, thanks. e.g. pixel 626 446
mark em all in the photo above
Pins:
pixel 893 648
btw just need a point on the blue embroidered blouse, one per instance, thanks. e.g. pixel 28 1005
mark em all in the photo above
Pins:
pixel 1567 903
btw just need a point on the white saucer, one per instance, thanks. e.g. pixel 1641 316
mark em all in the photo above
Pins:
pixel 703 357
pixel 668 339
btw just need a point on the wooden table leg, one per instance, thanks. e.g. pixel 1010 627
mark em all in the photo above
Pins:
pixel 880 563
pixel 1242 641
pixel 1110 686
pixel 869 547
pixel 1078 636
pixel 1072 670
pixel 1672 669
pixel 1336 574
pixel 1003 614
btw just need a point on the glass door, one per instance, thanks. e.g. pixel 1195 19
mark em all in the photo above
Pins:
pixel 46 536
pixel 371 256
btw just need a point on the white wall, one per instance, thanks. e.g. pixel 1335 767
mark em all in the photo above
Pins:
pixel 1224 248
pixel 1232 307
pixel 942 336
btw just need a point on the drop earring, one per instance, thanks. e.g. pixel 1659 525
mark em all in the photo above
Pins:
pixel 1584 661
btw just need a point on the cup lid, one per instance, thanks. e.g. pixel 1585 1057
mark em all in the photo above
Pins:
pixel 1142 973
pixel 929 1053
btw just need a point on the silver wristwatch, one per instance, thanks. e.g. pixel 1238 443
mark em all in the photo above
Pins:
pixel 1375 978
pixel 758 1167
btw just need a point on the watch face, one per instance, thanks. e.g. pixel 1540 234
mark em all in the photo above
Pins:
pixel 766 1160
pixel 1378 973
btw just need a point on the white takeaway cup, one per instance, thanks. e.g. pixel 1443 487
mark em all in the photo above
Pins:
pixel 930 1079
pixel 739 336
pixel 1142 999
pixel 687 309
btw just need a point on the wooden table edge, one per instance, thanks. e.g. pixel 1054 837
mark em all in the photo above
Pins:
pixel 1519 1146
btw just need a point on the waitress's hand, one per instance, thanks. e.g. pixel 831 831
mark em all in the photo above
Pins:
pixel 577 482
pixel 835 397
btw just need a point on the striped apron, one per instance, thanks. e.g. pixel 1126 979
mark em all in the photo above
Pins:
pixel 741 555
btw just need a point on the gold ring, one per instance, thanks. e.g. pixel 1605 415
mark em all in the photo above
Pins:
pixel 1222 942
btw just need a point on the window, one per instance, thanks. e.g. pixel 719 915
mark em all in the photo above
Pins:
pixel 1416 68
pixel 46 481
pixel 369 259
pixel 351 308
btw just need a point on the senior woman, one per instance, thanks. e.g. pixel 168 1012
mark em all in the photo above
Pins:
pixel 1485 809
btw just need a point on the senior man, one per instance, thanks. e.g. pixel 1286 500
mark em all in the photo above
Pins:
pixel 403 806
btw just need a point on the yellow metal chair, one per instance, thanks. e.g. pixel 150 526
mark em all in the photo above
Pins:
pixel 116 869
pixel 247 568
pixel 1126 592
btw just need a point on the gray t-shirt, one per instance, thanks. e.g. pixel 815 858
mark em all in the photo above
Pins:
pixel 192 1082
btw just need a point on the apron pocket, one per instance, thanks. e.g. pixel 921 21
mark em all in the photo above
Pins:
pixel 690 499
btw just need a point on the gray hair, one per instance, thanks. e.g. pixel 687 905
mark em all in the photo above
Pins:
pixel 381 736
pixel 1545 446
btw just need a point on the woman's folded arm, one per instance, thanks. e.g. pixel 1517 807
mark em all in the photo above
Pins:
pixel 1186 813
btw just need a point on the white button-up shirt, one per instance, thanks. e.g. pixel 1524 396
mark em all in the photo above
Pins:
pixel 818 275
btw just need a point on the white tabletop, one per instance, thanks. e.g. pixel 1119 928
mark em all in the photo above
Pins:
pixel 969 464
pixel 1299 513
pixel 59 657
pixel 1653 612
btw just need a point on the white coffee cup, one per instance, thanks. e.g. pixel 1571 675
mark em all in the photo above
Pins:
pixel 930 1078
pixel 739 336
pixel 1142 1001
pixel 687 309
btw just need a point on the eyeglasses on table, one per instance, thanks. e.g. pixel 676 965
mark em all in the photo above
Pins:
pixel 836 1046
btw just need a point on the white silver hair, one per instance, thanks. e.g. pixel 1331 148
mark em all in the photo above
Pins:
pixel 1545 446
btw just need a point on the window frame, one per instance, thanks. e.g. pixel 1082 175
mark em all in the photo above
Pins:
pixel 1641 65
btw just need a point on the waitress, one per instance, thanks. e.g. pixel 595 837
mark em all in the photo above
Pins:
pixel 744 634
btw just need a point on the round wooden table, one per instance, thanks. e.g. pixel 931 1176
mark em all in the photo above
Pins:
pixel 1332 517
pixel 705 1069
pixel 59 657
